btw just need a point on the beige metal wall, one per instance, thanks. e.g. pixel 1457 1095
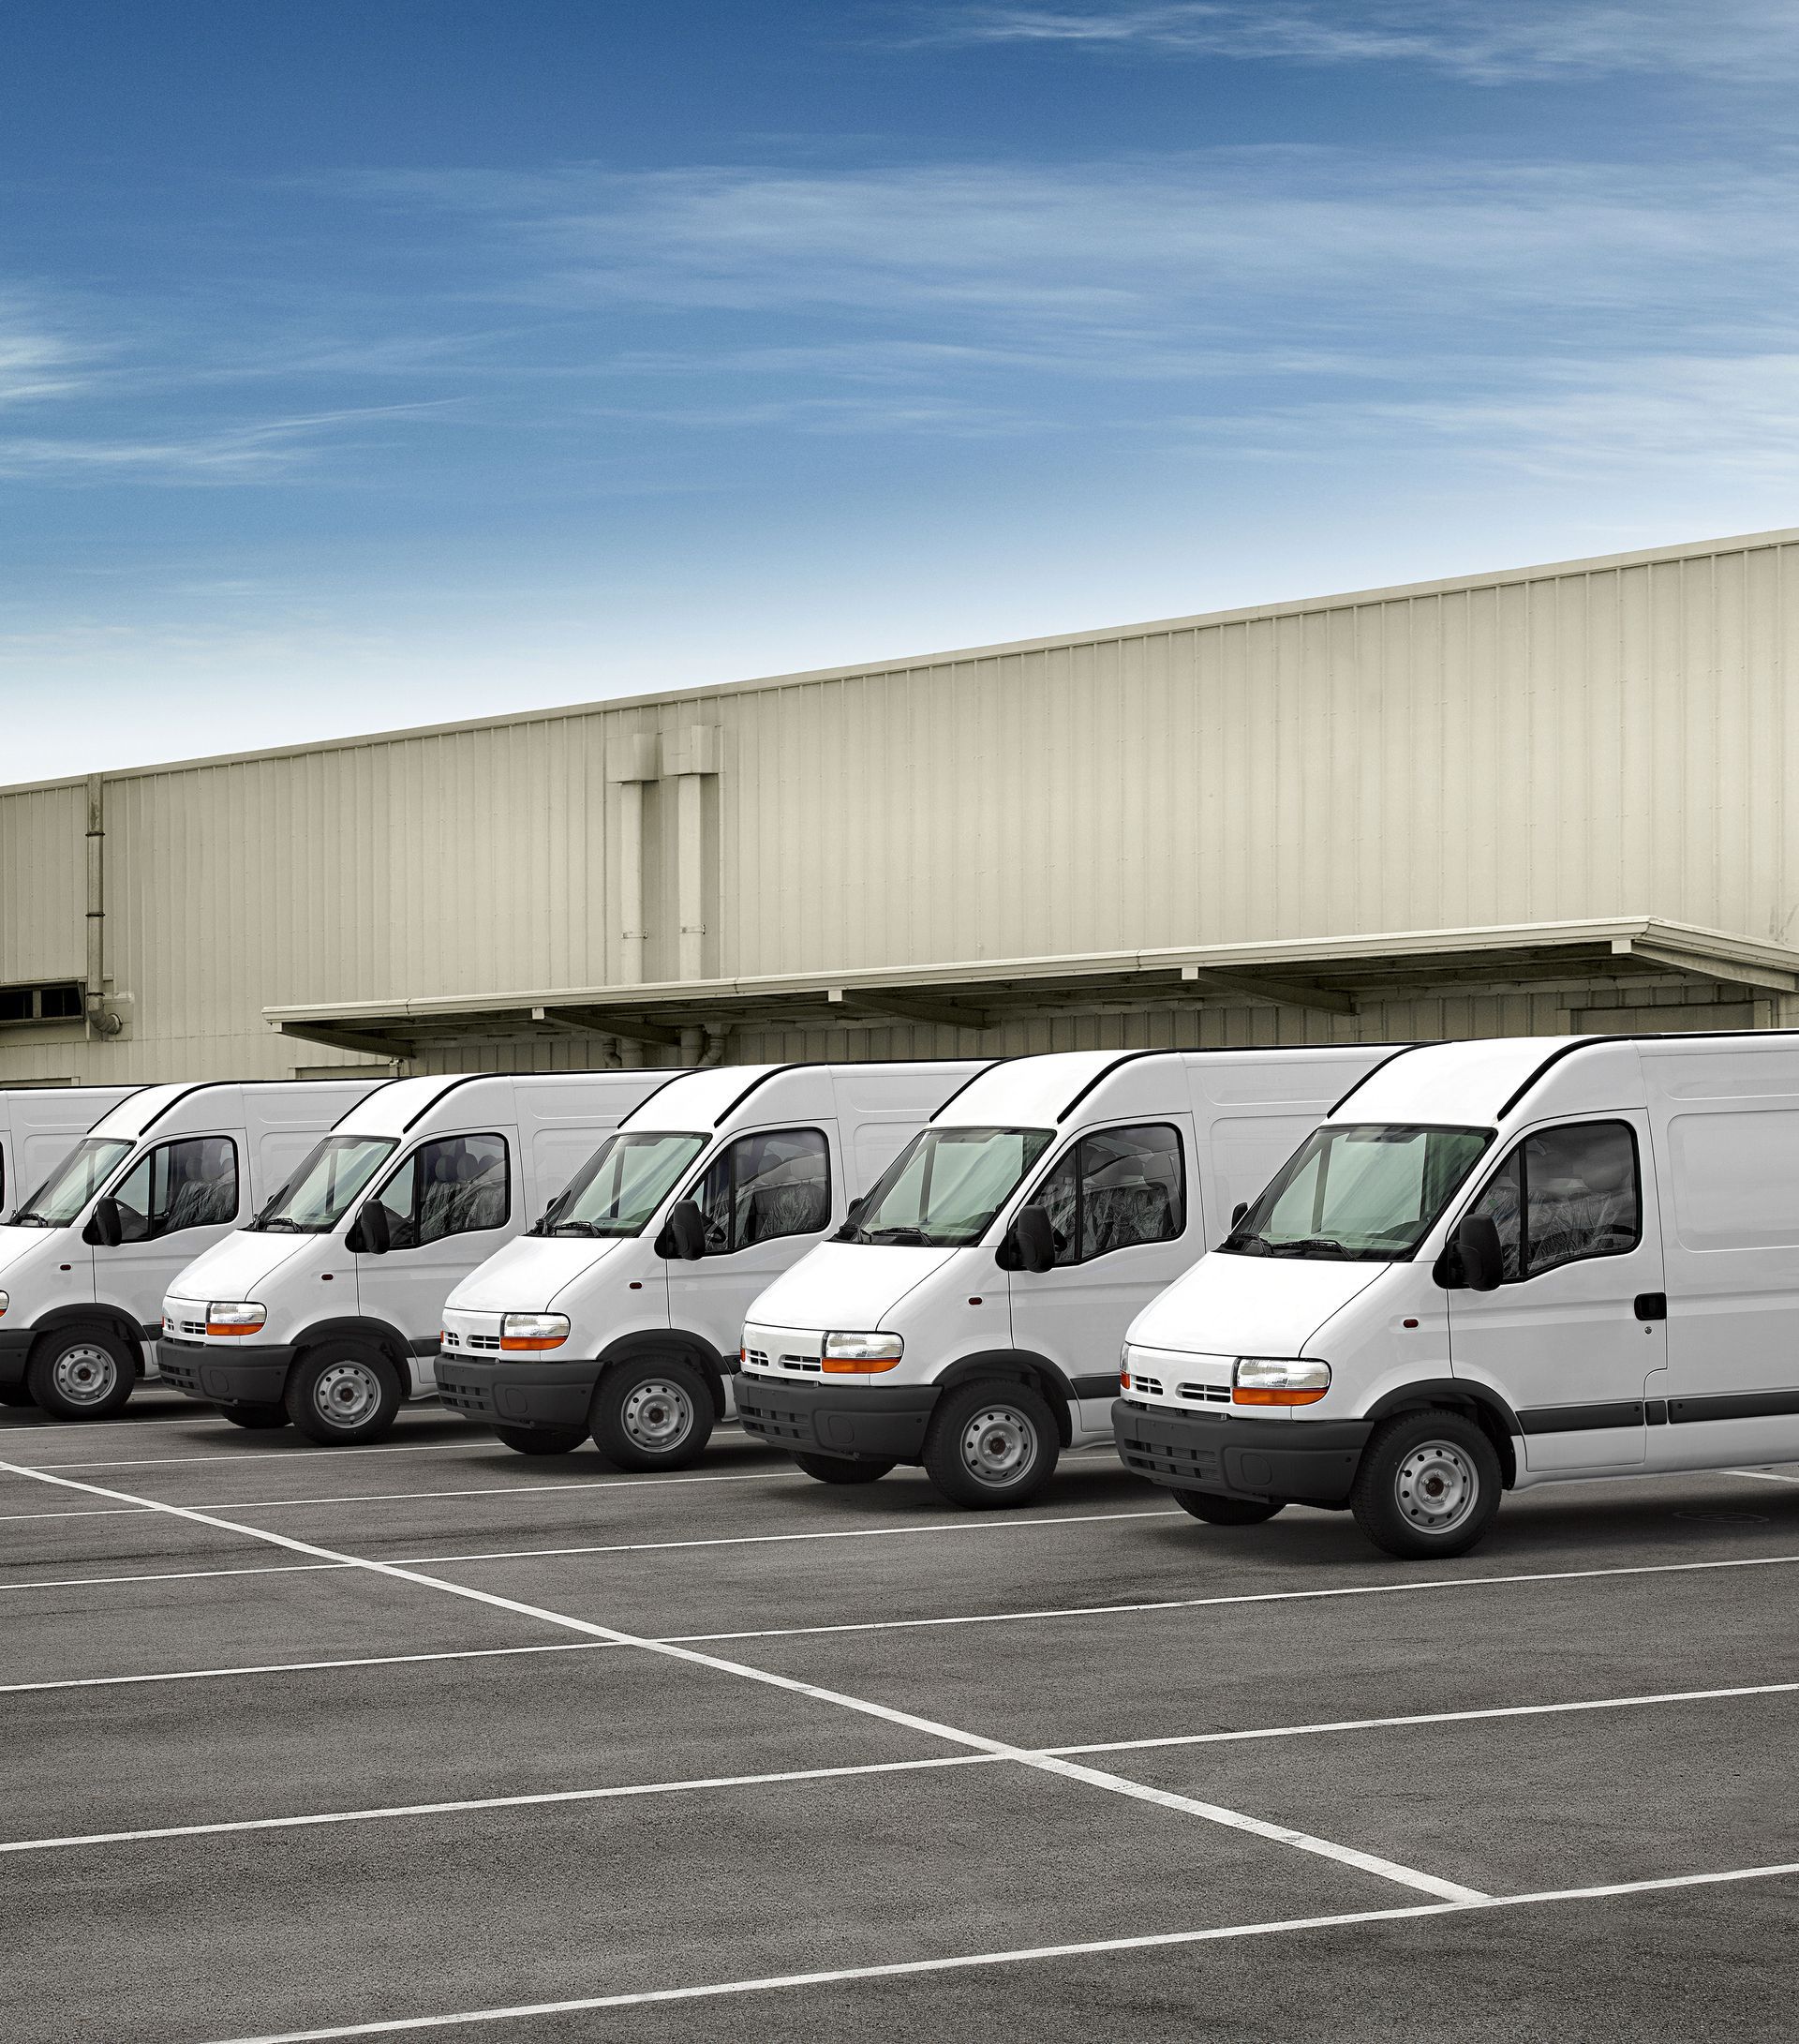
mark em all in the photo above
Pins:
pixel 1601 738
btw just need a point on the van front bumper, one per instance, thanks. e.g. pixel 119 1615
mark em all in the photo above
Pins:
pixel 883 1422
pixel 512 1393
pixel 255 1373
pixel 1307 1461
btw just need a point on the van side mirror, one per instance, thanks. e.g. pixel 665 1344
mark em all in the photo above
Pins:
pixel 682 1238
pixel 1238 1212
pixel 1030 1243
pixel 1473 1260
pixel 368 1233
pixel 105 1228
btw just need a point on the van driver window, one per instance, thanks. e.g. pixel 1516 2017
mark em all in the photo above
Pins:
pixel 179 1186
pixel 1564 1196
pixel 1115 1189
pixel 458 1186
pixel 765 1186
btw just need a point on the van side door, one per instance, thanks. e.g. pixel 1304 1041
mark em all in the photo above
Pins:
pixel 1575 1337
pixel 1125 1223
pixel 450 1204
pixel 1731 1173
pixel 766 1198
pixel 179 1197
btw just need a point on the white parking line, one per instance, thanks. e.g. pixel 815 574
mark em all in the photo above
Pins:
pixel 388 1810
pixel 1012 1521
pixel 976 1618
pixel 965 1962
pixel 247 1455
pixel 387 1496
pixel 1115 1784
pixel 299 1667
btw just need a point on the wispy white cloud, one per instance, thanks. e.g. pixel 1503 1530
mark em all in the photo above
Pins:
pixel 1487 41
pixel 255 453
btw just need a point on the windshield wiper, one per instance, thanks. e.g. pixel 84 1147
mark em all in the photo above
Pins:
pixel 27 1216
pixel 1310 1246
pixel 913 1238
pixel 572 1227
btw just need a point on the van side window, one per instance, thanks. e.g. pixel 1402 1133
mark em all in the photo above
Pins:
pixel 764 1187
pixel 178 1186
pixel 1115 1189
pixel 1565 1195
pixel 458 1186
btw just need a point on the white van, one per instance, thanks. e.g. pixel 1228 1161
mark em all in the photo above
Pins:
pixel 325 1311
pixel 85 1258
pixel 621 1316
pixel 1496 1264
pixel 970 1318
pixel 38 1126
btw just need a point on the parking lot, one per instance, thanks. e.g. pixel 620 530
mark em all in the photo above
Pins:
pixel 432 1738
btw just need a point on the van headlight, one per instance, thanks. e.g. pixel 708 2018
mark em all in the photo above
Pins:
pixel 1278 1379
pixel 234 1317
pixel 533 1331
pixel 1124 1367
pixel 846 1355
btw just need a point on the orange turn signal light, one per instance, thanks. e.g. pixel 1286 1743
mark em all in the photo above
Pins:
pixel 1251 1396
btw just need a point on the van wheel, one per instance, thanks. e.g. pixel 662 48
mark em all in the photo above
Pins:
pixel 81 1373
pixel 540 1439
pixel 653 1415
pixel 1218 1510
pixel 255 1417
pixel 839 1468
pixel 992 1445
pixel 1428 1486
pixel 343 1394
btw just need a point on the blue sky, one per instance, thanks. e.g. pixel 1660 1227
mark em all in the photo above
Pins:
pixel 375 362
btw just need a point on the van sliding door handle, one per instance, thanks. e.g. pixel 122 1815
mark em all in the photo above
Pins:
pixel 1650 1306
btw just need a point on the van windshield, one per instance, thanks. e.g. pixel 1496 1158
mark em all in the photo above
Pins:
pixel 73 1184
pixel 941 1192
pixel 318 1194
pixel 1366 1193
pixel 617 1189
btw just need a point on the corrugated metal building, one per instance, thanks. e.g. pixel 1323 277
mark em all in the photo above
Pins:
pixel 1548 799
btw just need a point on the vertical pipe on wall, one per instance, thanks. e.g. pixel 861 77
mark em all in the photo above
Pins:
pixel 631 881
pixel 99 1022
pixel 690 857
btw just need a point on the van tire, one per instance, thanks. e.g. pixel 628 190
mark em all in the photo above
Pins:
pixel 1217 1509
pixel 840 1469
pixel 254 1417
pixel 654 1413
pixel 1420 1468
pixel 993 1444
pixel 81 1372
pixel 342 1393
pixel 540 1439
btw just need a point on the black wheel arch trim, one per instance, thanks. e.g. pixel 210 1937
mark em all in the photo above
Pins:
pixel 113 1318
pixel 358 1327
pixel 1025 1365
pixel 690 1347
pixel 1457 1391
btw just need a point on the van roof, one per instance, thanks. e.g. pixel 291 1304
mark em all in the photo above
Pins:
pixel 1479 1083
pixel 1047 1090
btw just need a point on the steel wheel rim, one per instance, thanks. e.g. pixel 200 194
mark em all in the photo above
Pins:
pixel 1436 1486
pixel 657 1415
pixel 999 1445
pixel 346 1393
pixel 85 1374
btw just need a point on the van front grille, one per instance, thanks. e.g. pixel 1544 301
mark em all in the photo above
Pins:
pixel 1210 1394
